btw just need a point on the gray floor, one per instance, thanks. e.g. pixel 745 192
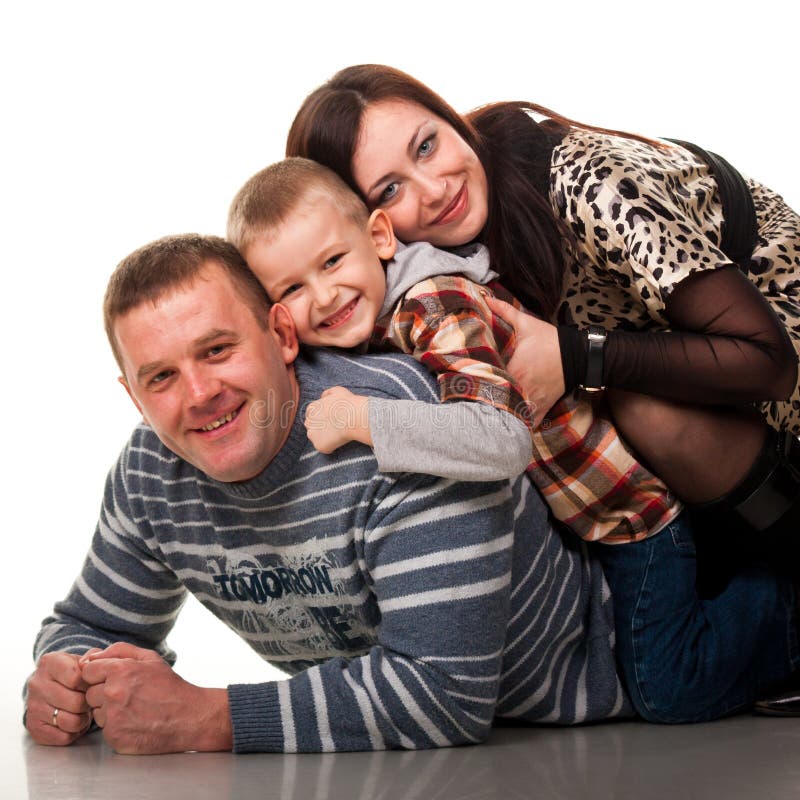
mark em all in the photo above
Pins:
pixel 746 757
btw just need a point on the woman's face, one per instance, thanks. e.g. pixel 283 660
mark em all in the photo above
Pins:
pixel 416 167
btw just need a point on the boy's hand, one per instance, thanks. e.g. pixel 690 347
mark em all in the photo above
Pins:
pixel 338 417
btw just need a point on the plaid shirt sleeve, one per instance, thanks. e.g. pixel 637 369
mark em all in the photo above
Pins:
pixel 589 478
pixel 445 323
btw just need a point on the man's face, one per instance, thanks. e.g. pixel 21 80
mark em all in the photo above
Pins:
pixel 214 385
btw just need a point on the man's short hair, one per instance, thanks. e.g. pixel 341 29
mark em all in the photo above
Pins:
pixel 265 202
pixel 174 261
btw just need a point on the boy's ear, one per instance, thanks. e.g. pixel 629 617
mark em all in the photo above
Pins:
pixel 382 233
pixel 282 325
pixel 122 380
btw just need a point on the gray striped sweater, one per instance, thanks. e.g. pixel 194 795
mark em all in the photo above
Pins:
pixel 408 610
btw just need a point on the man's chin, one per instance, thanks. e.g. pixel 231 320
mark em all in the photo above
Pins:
pixel 231 474
pixel 228 471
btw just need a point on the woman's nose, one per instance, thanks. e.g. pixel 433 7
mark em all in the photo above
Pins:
pixel 433 188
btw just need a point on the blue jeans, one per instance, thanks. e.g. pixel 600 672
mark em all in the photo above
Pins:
pixel 688 659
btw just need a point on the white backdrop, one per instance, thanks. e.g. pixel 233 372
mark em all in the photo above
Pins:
pixel 122 123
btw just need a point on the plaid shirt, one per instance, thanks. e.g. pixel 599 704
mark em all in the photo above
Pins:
pixel 590 480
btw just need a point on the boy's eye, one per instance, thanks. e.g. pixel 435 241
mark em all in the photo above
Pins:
pixel 295 287
pixel 333 260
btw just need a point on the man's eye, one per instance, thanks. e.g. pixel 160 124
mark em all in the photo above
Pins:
pixel 216 350
pixel 159 377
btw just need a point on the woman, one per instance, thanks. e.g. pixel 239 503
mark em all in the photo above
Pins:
pixel 634 265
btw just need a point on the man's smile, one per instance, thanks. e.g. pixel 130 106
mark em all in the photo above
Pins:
pixel 222 421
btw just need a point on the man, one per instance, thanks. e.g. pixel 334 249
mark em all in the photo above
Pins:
pixel 408 610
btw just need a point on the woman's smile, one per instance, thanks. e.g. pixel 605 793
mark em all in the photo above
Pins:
pixel 408 162
pixel 455 209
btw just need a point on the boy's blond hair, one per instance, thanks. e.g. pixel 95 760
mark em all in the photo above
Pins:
pixel 265 202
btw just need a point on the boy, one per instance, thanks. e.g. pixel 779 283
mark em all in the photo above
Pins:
pixel 318 251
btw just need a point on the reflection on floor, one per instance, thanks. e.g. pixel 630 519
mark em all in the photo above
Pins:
pixel 746 757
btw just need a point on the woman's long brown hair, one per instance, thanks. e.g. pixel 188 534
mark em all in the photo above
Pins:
pixel 524 236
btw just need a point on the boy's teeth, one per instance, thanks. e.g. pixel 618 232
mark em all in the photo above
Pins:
pixel 339 315
pixel 217 422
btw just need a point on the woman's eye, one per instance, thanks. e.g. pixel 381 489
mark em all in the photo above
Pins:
pixel 388 193
pixel 426 148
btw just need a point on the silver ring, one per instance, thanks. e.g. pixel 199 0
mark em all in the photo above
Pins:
pixel 54 719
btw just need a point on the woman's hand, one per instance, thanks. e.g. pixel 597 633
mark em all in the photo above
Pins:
pixel 536 361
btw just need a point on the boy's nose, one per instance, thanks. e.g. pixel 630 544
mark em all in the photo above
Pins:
pixel 323 293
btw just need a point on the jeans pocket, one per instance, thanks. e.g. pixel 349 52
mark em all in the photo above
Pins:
pixel 681 532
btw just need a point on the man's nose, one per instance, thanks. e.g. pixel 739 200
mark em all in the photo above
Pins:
pixel 201 386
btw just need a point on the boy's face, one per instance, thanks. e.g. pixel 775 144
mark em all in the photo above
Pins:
pixel 326 270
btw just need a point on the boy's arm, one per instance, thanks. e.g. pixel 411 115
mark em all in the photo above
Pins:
pixel 446 324
pixel 453 440
pixel 461 440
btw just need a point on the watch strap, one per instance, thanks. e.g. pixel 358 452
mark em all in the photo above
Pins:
pixel 595 352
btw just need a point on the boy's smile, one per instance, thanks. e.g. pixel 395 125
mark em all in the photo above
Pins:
pixel 326 270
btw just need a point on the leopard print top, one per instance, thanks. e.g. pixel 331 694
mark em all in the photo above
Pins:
pixel 643 219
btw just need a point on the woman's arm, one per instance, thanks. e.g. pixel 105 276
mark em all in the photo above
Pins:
pixel 726 346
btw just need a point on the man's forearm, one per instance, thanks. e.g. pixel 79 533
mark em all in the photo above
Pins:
pixel 143 706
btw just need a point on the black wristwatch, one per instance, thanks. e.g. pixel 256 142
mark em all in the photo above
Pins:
pixel 596 338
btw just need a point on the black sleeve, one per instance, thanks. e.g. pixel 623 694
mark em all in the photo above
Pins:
pixel 726 346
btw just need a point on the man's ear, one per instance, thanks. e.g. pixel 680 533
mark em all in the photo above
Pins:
pixel 282 325
pixel 122 380
pixel 380 229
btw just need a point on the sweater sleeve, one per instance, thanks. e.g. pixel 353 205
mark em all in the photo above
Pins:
pixel 463 441
pixel 123 592
pixel 437 556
